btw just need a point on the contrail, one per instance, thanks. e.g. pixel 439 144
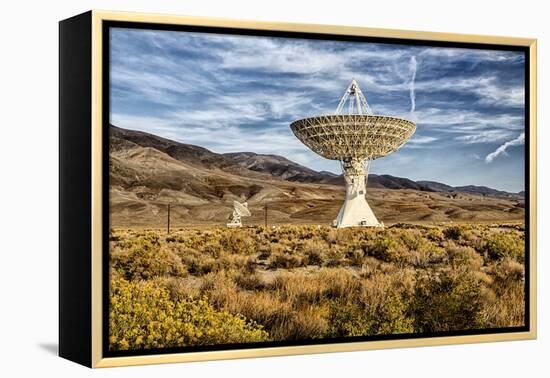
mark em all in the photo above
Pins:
pixel 411 84
pixel 502 149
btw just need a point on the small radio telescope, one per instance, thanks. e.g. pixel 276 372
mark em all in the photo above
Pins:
pixel 239 210
pixel 355 139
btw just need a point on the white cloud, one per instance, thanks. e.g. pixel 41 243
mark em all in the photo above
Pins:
pixel 422 139
pixel 412 94
pixel 276 140
pixel 486 136
pixel 487 88
pixel 502 149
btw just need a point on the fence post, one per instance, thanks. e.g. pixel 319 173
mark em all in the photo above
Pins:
pixel 168 227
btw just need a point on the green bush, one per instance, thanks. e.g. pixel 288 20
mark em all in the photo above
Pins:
pixel 142 315
pixel 335 256
pixel 238 241
pixel 453 232
pixel 451 301
pixel 435 234
pixel 376 306
pixel 349 320
pixel 285 260
pixel 501 245
pixel 314 252
pixel 463 257
pixel 387 248
pixel 355 257
pixel 353 319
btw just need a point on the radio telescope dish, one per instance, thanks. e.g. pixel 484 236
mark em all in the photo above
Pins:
pixel 355 139
pixel 239 210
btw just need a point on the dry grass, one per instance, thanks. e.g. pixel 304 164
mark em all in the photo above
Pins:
pixel 303 282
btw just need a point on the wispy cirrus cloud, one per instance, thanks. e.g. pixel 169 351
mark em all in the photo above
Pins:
pixel 486 136
pixel 501 150
pixel 412 94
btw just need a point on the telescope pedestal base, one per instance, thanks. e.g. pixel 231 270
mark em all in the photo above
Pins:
pixel 356 212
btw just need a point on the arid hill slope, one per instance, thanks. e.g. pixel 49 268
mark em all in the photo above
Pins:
pixel 147 172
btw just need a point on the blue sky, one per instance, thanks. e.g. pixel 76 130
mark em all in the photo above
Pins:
pixel 240 93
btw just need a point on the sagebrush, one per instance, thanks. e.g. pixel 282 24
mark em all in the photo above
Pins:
pixel 203 286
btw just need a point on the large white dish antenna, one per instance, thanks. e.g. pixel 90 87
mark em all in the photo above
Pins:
pixel 355 139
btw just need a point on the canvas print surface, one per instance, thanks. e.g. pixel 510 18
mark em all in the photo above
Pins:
pixel 273 190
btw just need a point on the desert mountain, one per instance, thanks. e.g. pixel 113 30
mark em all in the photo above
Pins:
pixel 278 167
pixel 147 172
pixel 183 152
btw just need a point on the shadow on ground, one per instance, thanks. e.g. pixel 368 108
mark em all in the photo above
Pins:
pixel 51 348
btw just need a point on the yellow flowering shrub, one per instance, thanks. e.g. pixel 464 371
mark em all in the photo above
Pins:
pixel 503 245
pixel 215 285
pixel 142 315
pixel 144 258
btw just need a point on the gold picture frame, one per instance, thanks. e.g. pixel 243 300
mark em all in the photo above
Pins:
pixel 82 279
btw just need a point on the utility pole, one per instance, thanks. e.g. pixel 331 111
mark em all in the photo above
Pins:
pixel 168 228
